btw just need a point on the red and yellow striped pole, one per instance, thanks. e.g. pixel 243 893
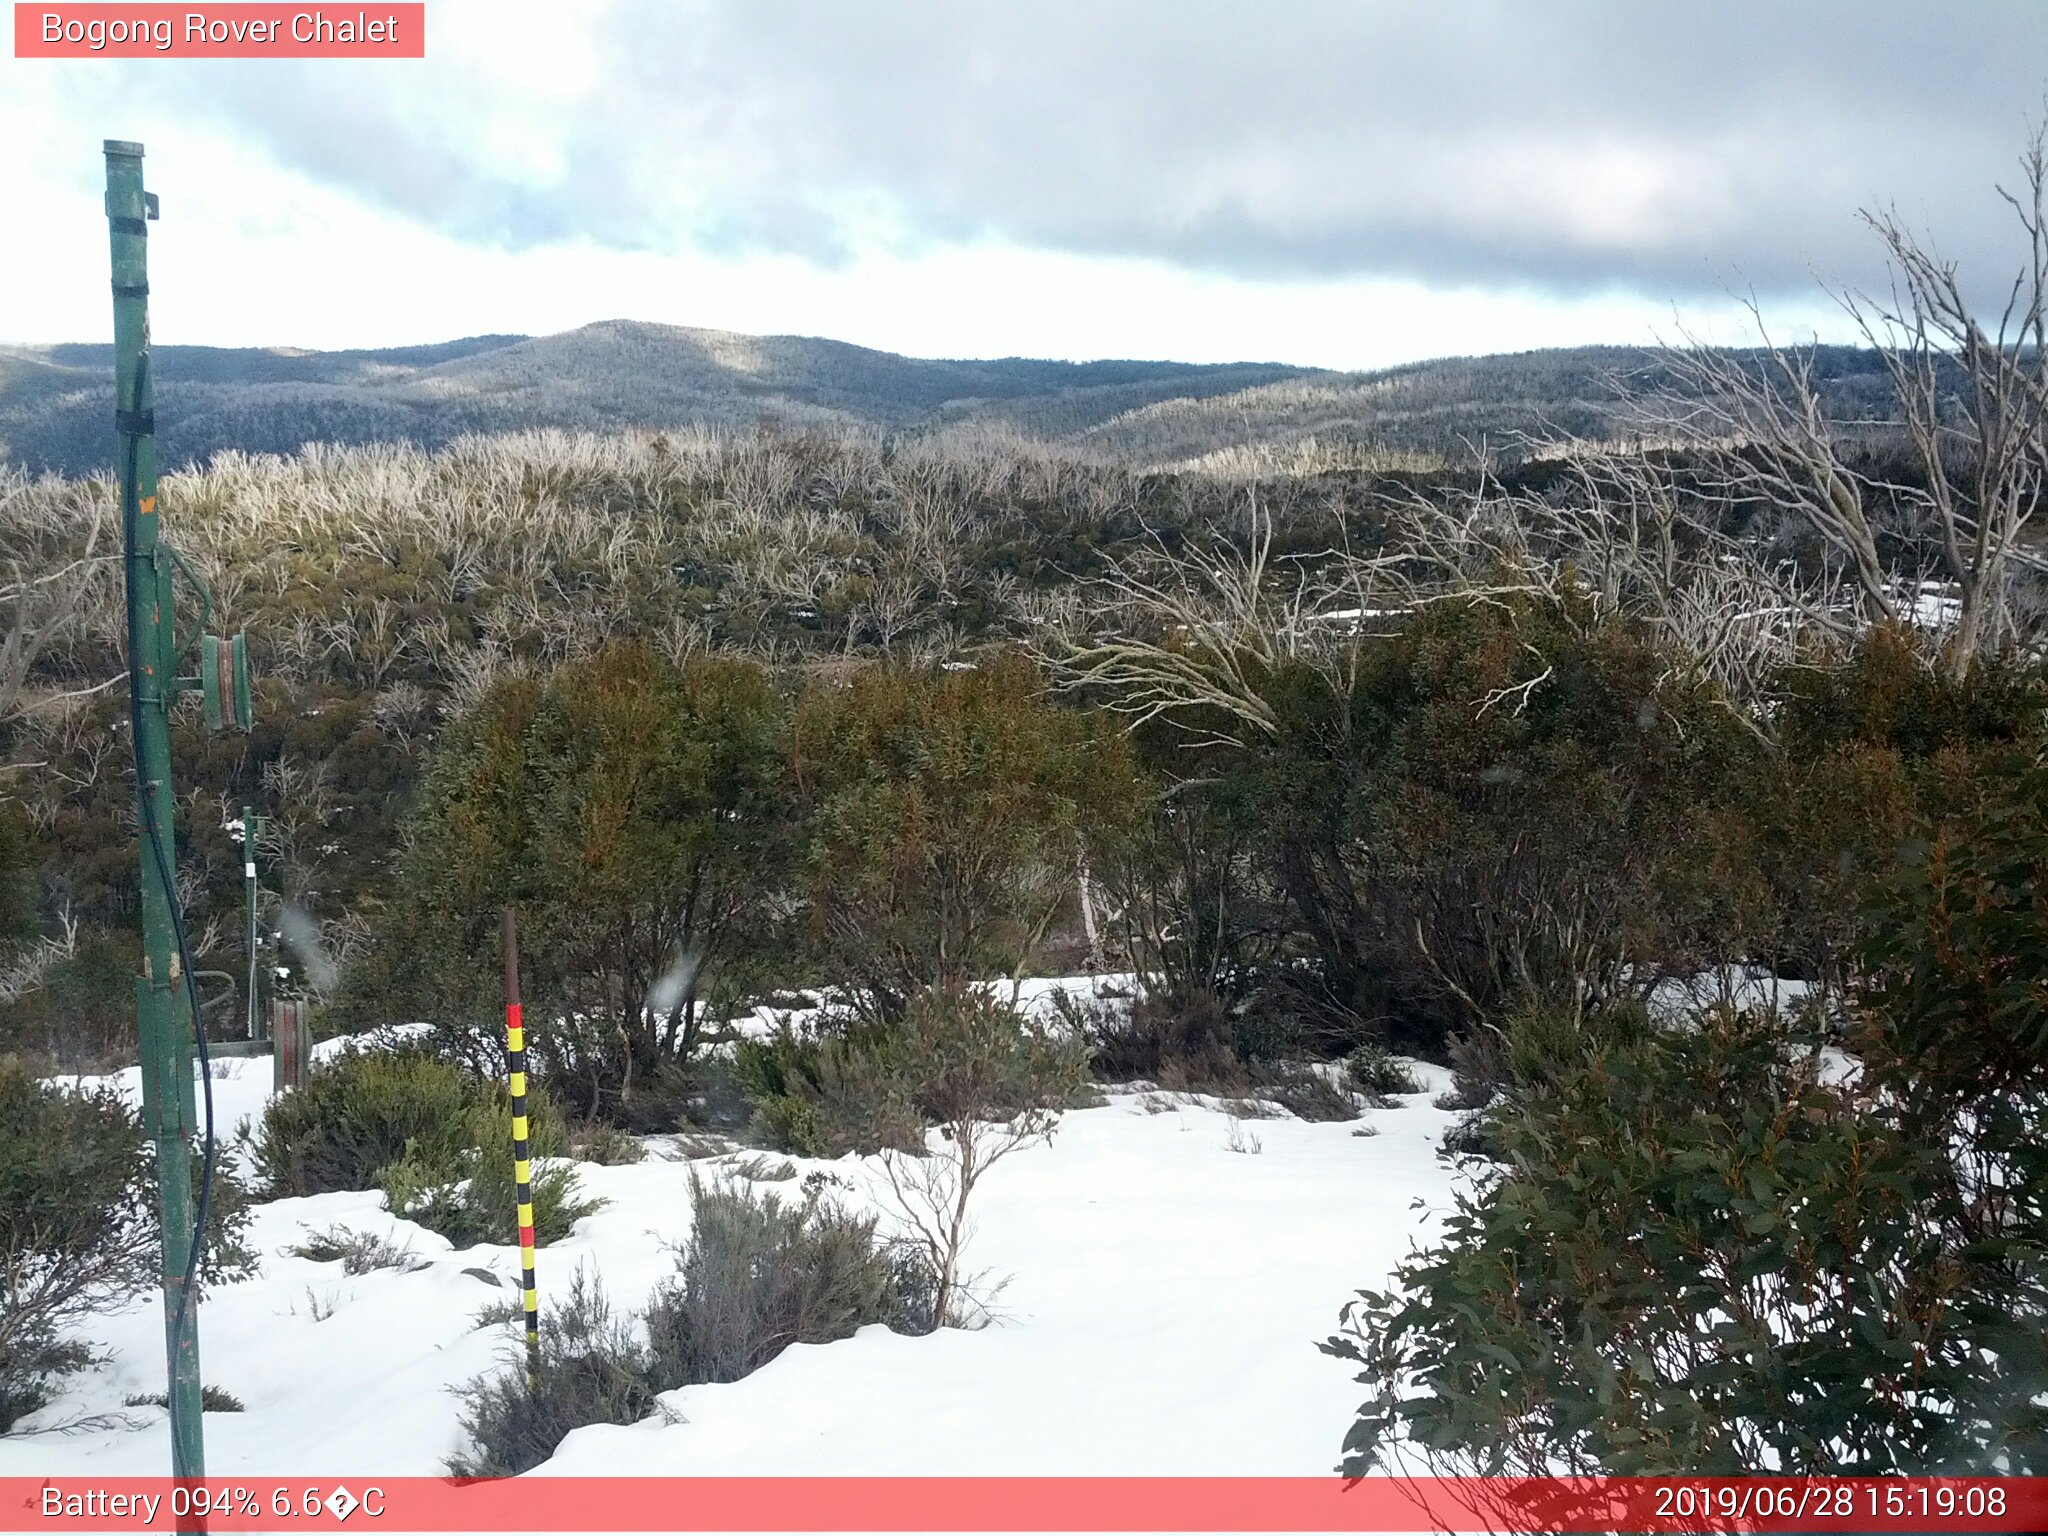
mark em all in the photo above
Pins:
pixel 522 1154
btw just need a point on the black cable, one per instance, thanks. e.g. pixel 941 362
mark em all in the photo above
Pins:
pixel 154 837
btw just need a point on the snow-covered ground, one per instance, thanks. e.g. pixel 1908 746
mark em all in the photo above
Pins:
pixel 1171 1270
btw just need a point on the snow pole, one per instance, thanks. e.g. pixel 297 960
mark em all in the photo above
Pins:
pixel 522 1152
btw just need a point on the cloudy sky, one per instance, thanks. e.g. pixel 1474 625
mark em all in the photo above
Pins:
pixel 1339 182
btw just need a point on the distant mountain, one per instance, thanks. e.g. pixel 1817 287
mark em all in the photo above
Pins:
pixel 56 403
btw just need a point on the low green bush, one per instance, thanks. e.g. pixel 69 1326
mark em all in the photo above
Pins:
pixel 79 1233
pixel 850 1084
pixel 434 1138
pixel 75 1232
pixel 1497 1064
pixel 469 1196
pixel 1701 1257
pixel 357 1113
pixel 828 1087
pixel 1378 1074
pixel 33 1363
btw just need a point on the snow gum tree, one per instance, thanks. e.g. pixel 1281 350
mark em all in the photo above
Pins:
pixel 947 817
pixel 636 811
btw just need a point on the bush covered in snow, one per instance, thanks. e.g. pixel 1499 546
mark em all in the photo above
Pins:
pixel 756 1275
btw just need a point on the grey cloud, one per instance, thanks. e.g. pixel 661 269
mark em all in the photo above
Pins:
pixel 1570 146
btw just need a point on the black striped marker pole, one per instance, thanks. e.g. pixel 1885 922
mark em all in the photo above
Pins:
pixel 522 1155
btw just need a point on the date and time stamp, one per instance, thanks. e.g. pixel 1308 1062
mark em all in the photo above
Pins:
pixel 1108 1504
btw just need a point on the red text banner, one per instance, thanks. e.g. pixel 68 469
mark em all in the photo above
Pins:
pixel 220 31
pixel 920 1504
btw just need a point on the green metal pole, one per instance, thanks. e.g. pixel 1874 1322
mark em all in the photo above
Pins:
pixel 249 909
pixel 162 1012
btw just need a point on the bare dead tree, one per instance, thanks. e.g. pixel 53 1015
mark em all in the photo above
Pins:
pixel 1972 404
pixel 1174 631
pixel 933 1195
pixel 39 605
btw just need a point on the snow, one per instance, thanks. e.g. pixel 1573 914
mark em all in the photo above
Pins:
pixel 1165 1297
pixel 1036 997
pixel 1744 987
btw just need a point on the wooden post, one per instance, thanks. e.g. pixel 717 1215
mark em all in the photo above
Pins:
pixel 291 1041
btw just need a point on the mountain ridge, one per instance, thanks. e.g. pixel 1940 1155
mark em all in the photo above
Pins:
pixel 612 375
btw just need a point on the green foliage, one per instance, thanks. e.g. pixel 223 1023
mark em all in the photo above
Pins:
pixel 759 1274
pixel 76 1232
pixel 383 587
pixel 17 886
pixel 1699 1258
pixel 1956 953
pixel 358 1112
pixel 225 1253
pixel 971 1056
pixel 827 1087
pixel 436 1140
pixel 946 815
pixel 1375 1072
pixel 1884 693
pixel 470 1196
pixel 1500 805
pixel 1871 743
pixel 847 1083
pixel 1195 909
pixel 637 814
pixel 79 1232
pixel 80 1015
pixel 33 1364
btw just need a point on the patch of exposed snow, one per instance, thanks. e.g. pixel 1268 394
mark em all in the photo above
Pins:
pixel 1165 1299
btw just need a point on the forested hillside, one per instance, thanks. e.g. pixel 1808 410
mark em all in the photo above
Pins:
pixel 54 401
